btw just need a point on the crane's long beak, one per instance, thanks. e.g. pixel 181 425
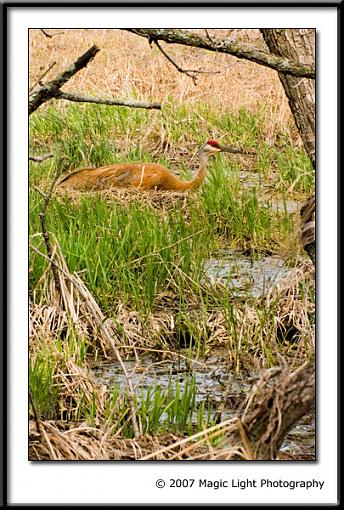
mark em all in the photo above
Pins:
pixel 234 150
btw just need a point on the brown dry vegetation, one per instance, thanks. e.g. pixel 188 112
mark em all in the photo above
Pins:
pixel 128 68
pixel 76 305
pixel 76 308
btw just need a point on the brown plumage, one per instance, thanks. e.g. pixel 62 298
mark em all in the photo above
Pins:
pixel 142 175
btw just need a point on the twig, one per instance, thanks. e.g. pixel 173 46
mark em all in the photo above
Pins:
pixel 209 37
pixel 37 421
pixel 45 233
pixel 189 72
pixel 50 35
pixel 116 102
pixel 102 326
pixel 45 33
pixel 239 50
pixel 38 82
pixel 50 89
pixel 43 195
pixel 39 159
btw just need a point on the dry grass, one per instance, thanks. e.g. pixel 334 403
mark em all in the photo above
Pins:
pixel 126 67
pixel 76 310
pixel 228 440
pixel 80 442
pixel 131 333
pixel 162 200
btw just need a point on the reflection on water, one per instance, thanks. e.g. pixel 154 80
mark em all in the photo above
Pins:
pixel 245 276
pixel 217 387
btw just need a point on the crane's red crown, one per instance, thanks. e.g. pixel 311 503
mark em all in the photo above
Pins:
pixel 214 143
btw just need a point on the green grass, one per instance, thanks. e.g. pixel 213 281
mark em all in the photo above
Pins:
pixel 132 254
pixel 97 134
pixel 295 171
pixel 44 392
pixel 161 409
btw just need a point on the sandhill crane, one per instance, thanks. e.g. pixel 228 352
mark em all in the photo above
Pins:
pixel 143 175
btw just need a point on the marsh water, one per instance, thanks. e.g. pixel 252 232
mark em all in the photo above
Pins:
pixel 244 275
pixel 221 391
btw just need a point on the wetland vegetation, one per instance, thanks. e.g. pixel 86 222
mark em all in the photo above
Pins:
pixel 138 286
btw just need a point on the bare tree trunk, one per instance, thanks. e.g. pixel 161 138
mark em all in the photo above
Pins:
pixel 187 38
pixel 278 400
pixel 297 45
pixel 307 214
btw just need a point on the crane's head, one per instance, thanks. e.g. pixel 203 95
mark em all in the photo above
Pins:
pixel 212 147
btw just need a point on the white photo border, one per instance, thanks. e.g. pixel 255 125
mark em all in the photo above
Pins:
pixel 102 483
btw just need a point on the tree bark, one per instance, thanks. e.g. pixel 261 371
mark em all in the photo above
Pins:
pixel 307 214
pixel 275 404
pixel 297 45
pixel 51 89
pixel 112 102
pixel 278 62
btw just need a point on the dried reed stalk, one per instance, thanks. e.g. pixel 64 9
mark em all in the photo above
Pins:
pixel 76 285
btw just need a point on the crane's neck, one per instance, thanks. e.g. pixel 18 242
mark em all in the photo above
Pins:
pixel 199 177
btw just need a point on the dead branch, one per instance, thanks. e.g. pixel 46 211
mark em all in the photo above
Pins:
pixel 39 81
pixel 275 404
pixel 39 159
pixel 45 33
pixel 37 420
pixel 45 233
pixel 239 50
pixel 50 89
pixel 189 72
pixel 50 35
pixel 112 102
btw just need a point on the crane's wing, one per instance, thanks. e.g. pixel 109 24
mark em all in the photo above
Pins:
pixel 113 178
pixel 80 179
pixel 137 175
